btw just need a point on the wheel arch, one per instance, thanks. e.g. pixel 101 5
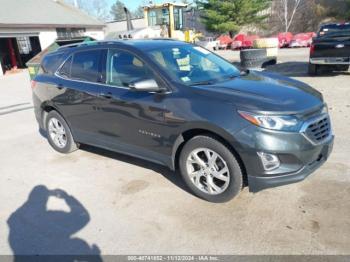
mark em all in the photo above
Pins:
pixel 70 145
pixel 46 108
pixel 220 136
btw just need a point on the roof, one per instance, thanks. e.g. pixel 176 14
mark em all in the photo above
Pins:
pixel 43 13
pixel 151 44
pixel 142 44
pixel 336 24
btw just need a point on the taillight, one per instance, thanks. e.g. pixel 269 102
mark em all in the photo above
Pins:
pixel 312 49
pixel 33 84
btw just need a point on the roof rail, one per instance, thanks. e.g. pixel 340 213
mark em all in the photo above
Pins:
pixel 68 46
pixel 90 43
pixel 106 42
pixel 161 38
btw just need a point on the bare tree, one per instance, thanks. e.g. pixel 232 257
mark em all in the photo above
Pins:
pixel 117 11
pixel 304 15
pixel 99 9
pixel 286 11
pixel 138 12
pixel 95 8
pixel 309 17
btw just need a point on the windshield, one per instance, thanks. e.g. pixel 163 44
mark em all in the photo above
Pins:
pixel 193 65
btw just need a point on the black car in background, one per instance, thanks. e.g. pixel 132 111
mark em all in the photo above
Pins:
pixel 181 106
pixel 330 50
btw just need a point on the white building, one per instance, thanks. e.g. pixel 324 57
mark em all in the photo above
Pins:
pixel 116 27
pixel 29 26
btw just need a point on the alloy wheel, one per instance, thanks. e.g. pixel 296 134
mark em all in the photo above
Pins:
pixel 208 171
pixel 57 132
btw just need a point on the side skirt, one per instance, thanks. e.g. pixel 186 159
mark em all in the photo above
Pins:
pixel 126 149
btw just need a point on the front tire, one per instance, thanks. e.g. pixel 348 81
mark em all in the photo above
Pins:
pixel 210 169
pixel 59 135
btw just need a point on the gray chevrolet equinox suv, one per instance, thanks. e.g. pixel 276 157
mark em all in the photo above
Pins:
pixel 184 107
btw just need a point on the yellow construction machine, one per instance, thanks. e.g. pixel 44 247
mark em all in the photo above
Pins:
pixel 170 18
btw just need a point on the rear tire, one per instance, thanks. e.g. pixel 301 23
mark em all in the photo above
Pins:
pixel 342 68
pixel 313 69
pixel 216 176
pixel 59 134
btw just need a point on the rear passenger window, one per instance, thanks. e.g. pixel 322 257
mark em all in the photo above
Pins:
pixel 85 65
pixel 65 69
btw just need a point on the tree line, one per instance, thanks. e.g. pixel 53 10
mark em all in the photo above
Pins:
pixel 102 11
pixel 271 16
pixel 230 16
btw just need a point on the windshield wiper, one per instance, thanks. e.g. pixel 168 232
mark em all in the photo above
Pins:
pixel 211 82
pixel 245 72
pixel 203 83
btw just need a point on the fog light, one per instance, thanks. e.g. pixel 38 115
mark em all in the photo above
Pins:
pixel 269 161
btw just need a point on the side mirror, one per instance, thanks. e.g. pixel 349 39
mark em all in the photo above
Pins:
pixel 148 85
pixel 245 72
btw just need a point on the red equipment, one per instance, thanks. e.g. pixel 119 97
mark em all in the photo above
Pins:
pixel 249 40
pixel 284 39
pixel 301 40
pixel 242 41
pixel 312 34
pixel 224 41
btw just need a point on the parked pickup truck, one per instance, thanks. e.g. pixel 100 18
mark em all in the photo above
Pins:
pixel 330 50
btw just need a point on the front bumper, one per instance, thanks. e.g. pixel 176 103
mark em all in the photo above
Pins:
pixel 259 183
pixel 298 156
pixel 330 61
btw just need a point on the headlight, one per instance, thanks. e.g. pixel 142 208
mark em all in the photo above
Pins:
pixel 324 109
pixel 281 123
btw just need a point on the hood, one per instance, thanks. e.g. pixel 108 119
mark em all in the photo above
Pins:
pixel 265 92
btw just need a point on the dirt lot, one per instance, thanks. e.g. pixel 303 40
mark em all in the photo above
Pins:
pixel 121 205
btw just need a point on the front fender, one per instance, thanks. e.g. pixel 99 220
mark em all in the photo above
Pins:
pixel 198 128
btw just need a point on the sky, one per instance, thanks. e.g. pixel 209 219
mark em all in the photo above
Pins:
pixel 133 4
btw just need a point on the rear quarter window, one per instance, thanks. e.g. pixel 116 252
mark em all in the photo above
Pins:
pixel 66 68
pixel 51 62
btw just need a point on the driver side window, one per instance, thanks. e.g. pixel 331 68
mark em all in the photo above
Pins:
pixel 124 68
pixel 185 65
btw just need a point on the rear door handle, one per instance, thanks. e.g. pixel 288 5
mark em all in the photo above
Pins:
pixel 107 95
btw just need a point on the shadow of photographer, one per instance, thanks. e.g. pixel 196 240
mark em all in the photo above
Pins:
pixel 37 231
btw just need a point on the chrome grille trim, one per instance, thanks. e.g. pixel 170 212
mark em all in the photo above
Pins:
pixel 317 130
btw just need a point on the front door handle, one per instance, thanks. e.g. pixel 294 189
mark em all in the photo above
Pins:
pixel 59 86
pixel 107 95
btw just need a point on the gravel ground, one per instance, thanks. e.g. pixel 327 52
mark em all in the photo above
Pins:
pixel 108 203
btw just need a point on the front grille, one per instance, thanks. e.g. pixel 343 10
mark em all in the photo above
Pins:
pixel 319 130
